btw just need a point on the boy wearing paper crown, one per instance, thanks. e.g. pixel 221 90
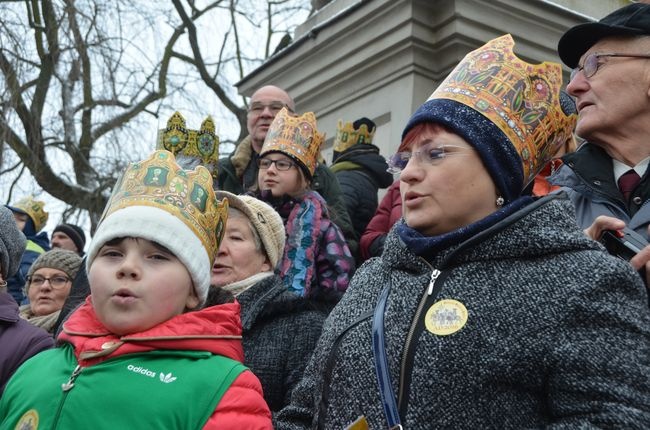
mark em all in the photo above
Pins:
pixel 317 262
pixel 487 309
pixel 141 352
pixel 30 217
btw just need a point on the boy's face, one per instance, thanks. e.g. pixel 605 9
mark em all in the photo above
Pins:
pixel 137 284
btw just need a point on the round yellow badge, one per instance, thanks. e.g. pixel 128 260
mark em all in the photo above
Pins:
pixel 29 421
pixel 445 317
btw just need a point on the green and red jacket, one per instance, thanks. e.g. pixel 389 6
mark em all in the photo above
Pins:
pixel 184 373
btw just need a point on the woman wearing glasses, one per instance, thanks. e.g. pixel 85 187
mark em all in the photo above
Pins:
pixel 487 309
pixel 317 262
pixel 48 285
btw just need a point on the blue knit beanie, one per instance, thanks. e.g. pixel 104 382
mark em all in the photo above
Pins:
pixel 499 156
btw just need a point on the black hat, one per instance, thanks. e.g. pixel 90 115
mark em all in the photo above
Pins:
pixel 631 20
pixel 73 232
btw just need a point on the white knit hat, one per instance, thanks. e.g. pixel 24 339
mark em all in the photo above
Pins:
pixel 264 219
pixel 165 229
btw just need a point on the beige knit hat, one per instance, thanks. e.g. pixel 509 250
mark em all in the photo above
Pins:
pixel 264 219
pixel 60 259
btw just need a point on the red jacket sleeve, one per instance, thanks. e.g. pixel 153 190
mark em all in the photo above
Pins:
pixel 242 406
pixel 388 212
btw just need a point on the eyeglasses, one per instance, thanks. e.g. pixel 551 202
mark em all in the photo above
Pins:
pixel 592 63
pixel 265 163
pixel 256 108
pixel 428 154
pixel 57 281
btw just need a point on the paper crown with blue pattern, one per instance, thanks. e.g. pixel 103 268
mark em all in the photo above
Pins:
pixel 200 146
pixel 508 109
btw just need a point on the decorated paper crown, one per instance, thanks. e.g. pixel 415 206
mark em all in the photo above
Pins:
pixel 201 145
pixel 521 99
pixel 160 183
pixel 35 209
pixel 295 136
pixel 347 136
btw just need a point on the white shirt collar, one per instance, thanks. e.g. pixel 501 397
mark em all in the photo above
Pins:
pixel 620 168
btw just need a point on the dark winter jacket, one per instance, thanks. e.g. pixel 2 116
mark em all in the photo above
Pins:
pixel 557 335
pixel 36 245
pixel 361 172
pixel 19 340
pixel 588 178
pixel 238 173
pixel 388 213
pixel 280 332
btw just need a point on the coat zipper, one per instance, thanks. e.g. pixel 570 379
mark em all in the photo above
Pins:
pixel 435 273
pixel 66 387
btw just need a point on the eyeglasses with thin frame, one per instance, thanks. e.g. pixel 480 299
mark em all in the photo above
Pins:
pixel 431 154
pixel 592 62
pixel 256 108
pixel 265 163
pixel 56 281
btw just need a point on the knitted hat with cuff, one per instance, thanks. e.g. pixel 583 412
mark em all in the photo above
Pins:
pixel 59 259
pixel 265 220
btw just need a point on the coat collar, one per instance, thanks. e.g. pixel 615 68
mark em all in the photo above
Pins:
pixel 216 329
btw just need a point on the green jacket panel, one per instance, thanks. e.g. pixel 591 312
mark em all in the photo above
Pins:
pixel 157 389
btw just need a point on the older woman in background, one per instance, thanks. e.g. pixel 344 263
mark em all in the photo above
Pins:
pixel 280 328
pixel 486 309
pixel 48 285
pixel 19 339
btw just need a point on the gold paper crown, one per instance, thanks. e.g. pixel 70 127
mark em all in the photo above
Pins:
pixel 202 144
pixel 521 99
pixel 347 136
pixel 295 136
pixel 159 182
pixel 35 209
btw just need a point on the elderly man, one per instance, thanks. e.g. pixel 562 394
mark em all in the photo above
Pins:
pixel 607 177
pixel 238 172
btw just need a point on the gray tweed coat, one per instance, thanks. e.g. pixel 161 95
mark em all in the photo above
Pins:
pixel 557 335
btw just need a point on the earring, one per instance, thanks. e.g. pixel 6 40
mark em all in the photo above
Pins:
pixel 500 201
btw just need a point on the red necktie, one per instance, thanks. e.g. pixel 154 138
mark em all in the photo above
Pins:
pixel 628 182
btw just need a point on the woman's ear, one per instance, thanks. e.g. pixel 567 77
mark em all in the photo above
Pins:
pixel 266 266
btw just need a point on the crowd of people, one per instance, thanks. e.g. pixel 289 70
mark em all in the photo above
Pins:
pixel 268 289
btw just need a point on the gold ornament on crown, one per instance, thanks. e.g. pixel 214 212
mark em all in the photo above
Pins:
pixel 201 145
pixel 521 99
pixel 347 136
pixel 35 209
pixel 296 136
pixel 159 182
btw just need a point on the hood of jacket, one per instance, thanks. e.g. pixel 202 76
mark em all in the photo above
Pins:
pixel 367 157
pixel 216 329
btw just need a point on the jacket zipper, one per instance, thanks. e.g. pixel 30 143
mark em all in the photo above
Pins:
pixel 435 284
pixel 66 387
pixel 435 273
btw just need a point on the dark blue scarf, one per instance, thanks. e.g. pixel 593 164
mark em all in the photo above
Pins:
pixel 428 246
